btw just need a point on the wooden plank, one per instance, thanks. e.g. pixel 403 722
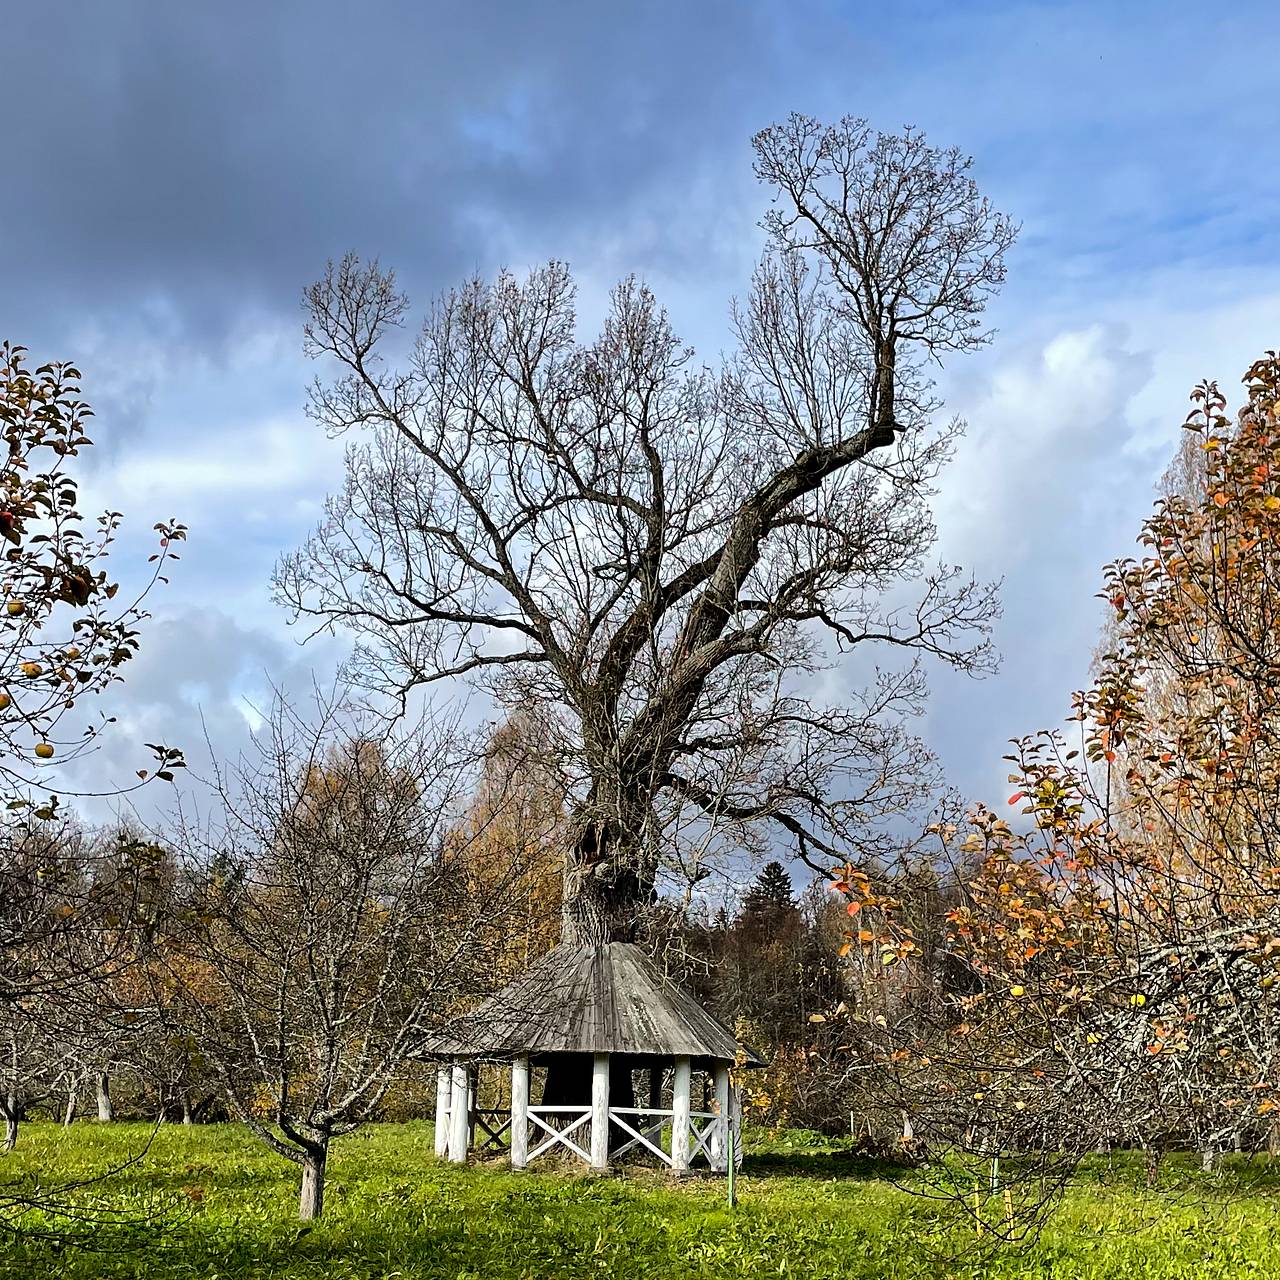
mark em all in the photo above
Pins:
pixel 459 1121
pixel 520 1112
pixel 680 1099
pixel 600 1112
pixel 641 1136
pixel 444 1097
pixel 606 999
pixel 720 1139
pixel 560 1136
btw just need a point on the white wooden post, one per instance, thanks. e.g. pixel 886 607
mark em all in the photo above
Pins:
pixel 519 1112
pixel 600 1112
pixel 735 1120
pixel 681 1090
pixel 444 1093
pixel 473 1087
pixel 458 1123
pixel 720 1134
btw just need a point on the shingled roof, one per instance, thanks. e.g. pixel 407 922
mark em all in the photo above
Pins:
pixel 602 999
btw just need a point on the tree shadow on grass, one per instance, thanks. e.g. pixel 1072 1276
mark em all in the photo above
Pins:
pixel 838 1163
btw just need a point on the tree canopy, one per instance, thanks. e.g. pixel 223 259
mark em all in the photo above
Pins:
pixel 661 552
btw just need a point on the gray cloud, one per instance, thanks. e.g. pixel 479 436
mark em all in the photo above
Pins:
pixel 176 174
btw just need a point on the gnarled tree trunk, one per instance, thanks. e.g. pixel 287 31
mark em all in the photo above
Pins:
pixel 608 880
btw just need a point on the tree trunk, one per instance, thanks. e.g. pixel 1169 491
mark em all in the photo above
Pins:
pixel 186 1109
pixel 10 1130
pixel 607 881
pixel 73 1100
pixel 311 1201
pixel 1208 1157
pixel 105 1111
pixel 568 1084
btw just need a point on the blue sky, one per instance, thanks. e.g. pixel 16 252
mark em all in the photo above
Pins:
pixel 176 174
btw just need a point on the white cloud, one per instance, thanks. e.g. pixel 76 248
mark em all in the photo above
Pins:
pixel 1065 445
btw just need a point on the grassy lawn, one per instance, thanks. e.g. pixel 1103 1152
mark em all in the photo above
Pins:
pixel 806 1211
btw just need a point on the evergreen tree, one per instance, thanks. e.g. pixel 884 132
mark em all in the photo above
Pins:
pixel 770 895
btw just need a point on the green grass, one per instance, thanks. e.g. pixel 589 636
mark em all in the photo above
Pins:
pixel 807 1210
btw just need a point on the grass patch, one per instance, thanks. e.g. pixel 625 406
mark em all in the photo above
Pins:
pixel 808 1209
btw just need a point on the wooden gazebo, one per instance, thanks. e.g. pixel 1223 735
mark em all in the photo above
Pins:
pixel 589 1019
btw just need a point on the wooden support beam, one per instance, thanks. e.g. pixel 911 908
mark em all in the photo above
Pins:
pixel 459 1120
pixel 472 1093
pixel 735 1123
pixel 681 1104
pixel 600 1112
pixel 444 1096
pixel 519 1112
pixel 720 1137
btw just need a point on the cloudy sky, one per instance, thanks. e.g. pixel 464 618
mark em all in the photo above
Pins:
pixel 175 174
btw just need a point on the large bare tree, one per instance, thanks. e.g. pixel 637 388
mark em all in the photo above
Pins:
pixel 661 553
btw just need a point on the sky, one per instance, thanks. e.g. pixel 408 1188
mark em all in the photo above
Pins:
pixel 176 174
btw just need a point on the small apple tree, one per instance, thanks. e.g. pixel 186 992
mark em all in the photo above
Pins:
pixel 1123 948
pixel 334 920
pixel 65 634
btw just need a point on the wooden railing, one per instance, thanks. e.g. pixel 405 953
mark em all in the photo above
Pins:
pixel 543 1117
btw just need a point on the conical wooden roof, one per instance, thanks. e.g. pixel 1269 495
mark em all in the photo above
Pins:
pixel 599 999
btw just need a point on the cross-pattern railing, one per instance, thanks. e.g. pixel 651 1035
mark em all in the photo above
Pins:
pixel 642 1134
pixel 642 1126
pixel 705 1127
pixel 492 1123
pixel 545 1117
